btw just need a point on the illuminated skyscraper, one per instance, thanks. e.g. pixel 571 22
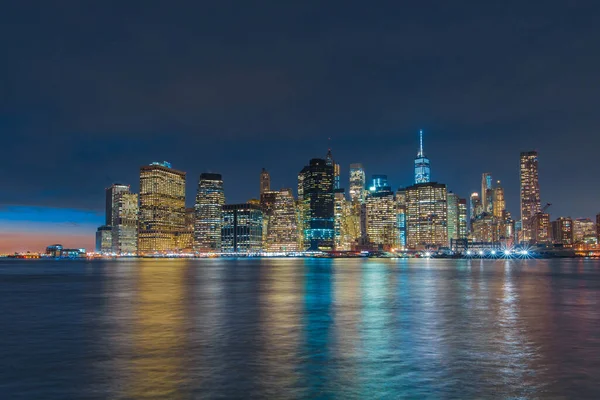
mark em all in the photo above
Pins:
pixel 357 183
pixel 242 227
pixel 487 193
pixel 426 215
pixel 316 190
pixel 401 217
pixel 422 165
pixel 584 231
pixel 542 230
pixel 265 182
pixel 382 220
pixel 452 199
pixel 462 218
pixel 562 231
pixel 210 200
pixel 111 192
pixel 162 208
pixel 336 169
pixel 499 205
pixel 282 229
pixel 530 193
pixel 125 223
pixel 476 207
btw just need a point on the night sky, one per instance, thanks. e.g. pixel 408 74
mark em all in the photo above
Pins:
pixel 92 90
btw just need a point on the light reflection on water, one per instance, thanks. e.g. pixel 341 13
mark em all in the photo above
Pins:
pixel 300 328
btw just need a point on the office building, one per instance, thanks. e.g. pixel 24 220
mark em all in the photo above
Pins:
pixel 452 200
pixel 476 207
pixel 462 218
pixel 265 182
pixel 382 219
pixel 426 215
pixel 316 191
pixel 161 208
pixel 104 240
pixel 378 183
pixel 282 226
pixel 401 217
pixel 422 165
pixel 562 231
pixel 111 192
pixel 242 228
pixel 542 229
pixel 125 223
pixel 210 199
pixel 530 193
pixel 357 183
pixel 499 204
pixel 584 231
pixel 487 193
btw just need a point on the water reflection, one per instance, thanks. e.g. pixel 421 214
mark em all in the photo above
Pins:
pixel 158 332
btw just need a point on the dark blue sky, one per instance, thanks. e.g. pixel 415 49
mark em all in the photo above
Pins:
pixel 91 90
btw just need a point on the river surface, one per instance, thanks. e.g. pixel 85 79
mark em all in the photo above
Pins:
pixel 300 329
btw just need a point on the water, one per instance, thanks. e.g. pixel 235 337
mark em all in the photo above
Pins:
pixel 300 329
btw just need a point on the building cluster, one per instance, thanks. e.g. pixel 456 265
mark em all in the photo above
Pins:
pixel 322 217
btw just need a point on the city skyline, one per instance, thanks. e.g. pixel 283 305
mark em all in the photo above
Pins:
pixel 87 99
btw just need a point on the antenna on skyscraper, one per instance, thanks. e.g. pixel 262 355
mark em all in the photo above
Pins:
pixel 420 142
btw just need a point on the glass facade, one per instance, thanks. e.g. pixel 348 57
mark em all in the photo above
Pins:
pixel 382 219
pixel 125 224
pixel 161 208
pixel 242 228
pixel 104 240
pixel 422 165
pixel 357 183
pixel 316 188
pixel 210 200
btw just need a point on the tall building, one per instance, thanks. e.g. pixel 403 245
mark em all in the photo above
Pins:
pixel 530 193
pixel 185 238
pixel 499 205
pixel 487 193
pixel 124 223
pixel 242 227
pixel 162 208
pixel 210 199
pixel 316 190
pixel 401 217
pixel 382 220
pixel 462 218
pixel 453 229
pixel 111 192
pixel 562 231
pixel 104 239
pixel 357 183
pixel 476 208
pixel 282 227
pixel 422 165
pixel 426 215
pixel 265 182
pixel 336 169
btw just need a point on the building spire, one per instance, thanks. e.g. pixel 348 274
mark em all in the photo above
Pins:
pixel 421 143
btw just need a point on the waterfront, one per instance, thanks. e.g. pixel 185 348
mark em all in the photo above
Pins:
pixel 300 328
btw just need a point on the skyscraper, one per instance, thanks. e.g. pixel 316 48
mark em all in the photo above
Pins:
pixel 265 182
pixel 336 169
pixel 487 193
pixel 242 227
pixel 499 205
pixel 111 192
pixel 462 218
pixel 210 199
pixel 379 182
pixel 315 184
pixel 422 165
pixel 282 227
pixel 530 193
pixel 382 220
pixel 125 223
pixel 453 229
pixel 162 208
pixel 104 239
pixel 357 183
pixel 401 217
pixel 476 206
pixel 426 215
pixel 542 229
